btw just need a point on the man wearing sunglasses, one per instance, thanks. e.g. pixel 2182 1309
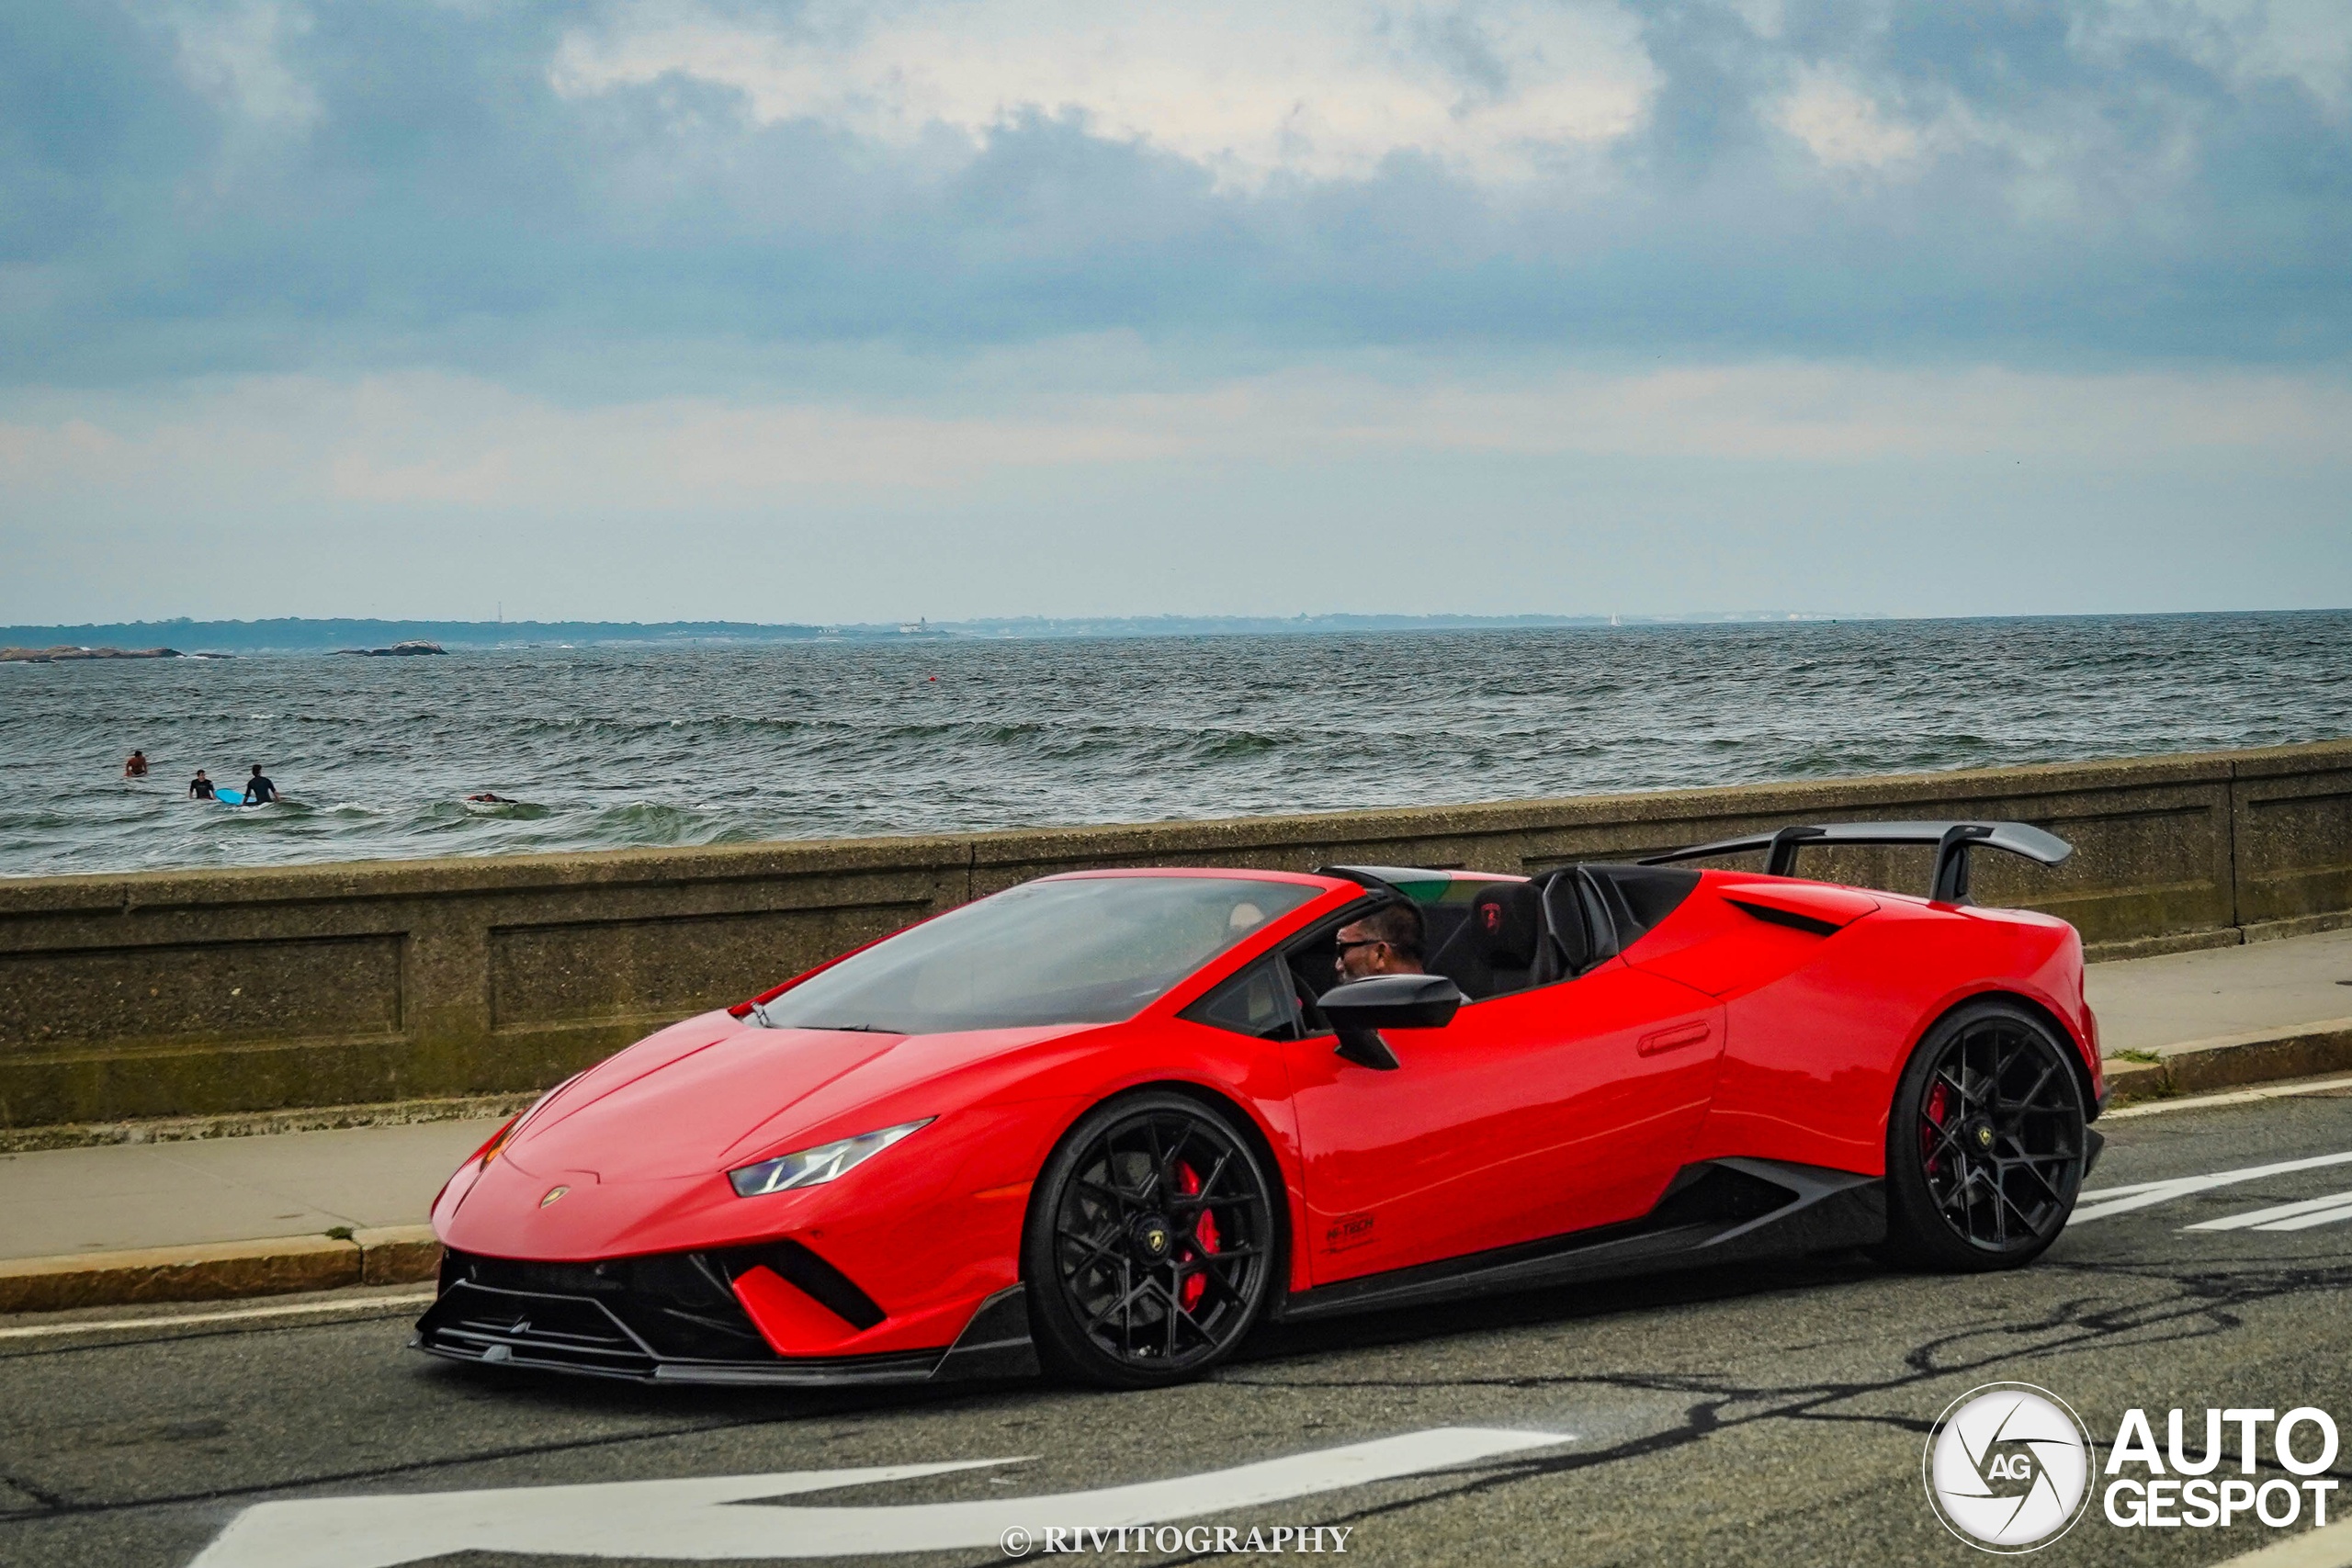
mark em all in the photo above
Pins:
pixel 1387 941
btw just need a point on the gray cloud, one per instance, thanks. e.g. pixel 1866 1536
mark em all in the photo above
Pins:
pixel 2086 184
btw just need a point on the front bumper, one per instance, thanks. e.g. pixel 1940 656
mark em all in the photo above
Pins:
pixel 675 1318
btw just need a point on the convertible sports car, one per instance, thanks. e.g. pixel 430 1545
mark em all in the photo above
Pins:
pixel 1102 1124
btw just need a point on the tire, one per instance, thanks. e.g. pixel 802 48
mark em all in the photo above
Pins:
pixel 1984 1146
pixel 1152 1244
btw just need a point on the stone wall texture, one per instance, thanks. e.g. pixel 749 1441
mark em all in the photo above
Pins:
pixel 184 993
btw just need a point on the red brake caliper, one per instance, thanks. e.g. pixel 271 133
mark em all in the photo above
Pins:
pixel 1929 1149
pixel 1188 1182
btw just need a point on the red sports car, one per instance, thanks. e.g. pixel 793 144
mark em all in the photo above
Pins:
pixel 1102 1124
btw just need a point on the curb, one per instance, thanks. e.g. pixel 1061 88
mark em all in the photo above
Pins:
pixel 257 1123
pixel 2126 948
pixel 2227 1061
pixel 220 1271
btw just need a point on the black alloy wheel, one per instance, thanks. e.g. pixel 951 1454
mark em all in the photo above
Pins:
pixel 1985 1146
pixel 1152 1242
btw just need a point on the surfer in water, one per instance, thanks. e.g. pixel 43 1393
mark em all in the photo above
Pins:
pixel 135 765
pixel 199 787
pixel 259 791
pixel 486 798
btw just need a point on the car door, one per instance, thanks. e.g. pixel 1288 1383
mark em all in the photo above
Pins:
pixel 1530 1115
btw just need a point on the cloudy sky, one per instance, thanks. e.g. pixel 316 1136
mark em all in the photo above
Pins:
pixel 844 311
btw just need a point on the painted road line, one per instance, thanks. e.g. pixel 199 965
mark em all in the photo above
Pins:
pixel 2232 1097
pixel 2253 1218
pixel 2305 1222
pixel 2147 1194
pixel 184 1319
pixel 693 1519
pixel 2330 1546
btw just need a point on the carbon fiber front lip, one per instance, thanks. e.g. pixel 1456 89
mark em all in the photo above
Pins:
pixel 581 1335
pixel 843 1372
pixel 563 1332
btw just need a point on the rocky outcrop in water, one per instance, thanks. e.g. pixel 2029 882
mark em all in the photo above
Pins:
pixel 397 650
pixel 64 654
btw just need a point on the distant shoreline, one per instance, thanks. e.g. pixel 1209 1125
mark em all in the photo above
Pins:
pixel 303 634
pixel 300 635
pixel 70 653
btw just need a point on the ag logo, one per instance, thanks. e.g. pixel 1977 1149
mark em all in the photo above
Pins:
pixel 2008 1467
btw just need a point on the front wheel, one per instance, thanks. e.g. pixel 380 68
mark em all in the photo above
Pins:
pixel 1150 1248
pixel 1985 1147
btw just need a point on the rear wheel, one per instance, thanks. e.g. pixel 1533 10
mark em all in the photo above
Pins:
pixel 1150 1249
pixel 1985 1147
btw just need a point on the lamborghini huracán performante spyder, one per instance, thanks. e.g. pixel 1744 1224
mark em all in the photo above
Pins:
pixel 1102 1124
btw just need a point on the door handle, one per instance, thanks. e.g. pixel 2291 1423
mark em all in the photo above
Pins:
pixel 1673 1039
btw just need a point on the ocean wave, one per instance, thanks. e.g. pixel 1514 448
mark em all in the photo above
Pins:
pixel 610 747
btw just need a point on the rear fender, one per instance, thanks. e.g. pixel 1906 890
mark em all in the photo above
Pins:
pixel 2048 982
pixel 1813 1055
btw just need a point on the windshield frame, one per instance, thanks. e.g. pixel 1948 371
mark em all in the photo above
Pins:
pixel 1332 893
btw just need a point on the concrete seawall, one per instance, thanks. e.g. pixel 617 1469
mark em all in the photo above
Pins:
pixel 186 993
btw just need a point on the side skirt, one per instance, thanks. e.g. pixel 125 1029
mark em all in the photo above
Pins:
pixel 1725 1211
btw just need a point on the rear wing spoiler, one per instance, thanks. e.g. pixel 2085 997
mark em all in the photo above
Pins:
pixel 1952 841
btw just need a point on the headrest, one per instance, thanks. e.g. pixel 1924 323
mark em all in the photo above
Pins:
pixel 1508 920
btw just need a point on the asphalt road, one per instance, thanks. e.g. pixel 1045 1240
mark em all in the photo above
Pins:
pixel 1740 1416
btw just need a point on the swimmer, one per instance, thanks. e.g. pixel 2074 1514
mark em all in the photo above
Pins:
pixel 259 790
pixel 135 765
pixel 199 787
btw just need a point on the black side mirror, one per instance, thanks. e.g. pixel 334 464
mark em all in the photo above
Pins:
pixel 1360 1009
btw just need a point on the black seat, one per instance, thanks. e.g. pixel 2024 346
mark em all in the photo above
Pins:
pixel 1495 951
pixel 1567 950
pixel 1555 927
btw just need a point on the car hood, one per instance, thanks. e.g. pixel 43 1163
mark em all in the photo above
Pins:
pixel 715 1092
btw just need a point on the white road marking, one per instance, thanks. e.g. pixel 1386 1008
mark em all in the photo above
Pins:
pixel 2305 1222
pixel 2230 1097
pixel 101 1325
pixel 2146 1194
pixel 2260 1218
pixel 696 1519
pixel 2327 1547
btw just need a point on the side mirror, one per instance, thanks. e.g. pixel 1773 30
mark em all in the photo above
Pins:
pixel 1360 1009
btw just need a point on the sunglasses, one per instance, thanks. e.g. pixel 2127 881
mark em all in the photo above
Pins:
pixel 1363 941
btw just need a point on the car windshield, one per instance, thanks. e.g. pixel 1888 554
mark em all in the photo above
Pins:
pixel 1092 950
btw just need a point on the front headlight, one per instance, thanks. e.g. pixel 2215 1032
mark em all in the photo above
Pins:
pixel 811 1167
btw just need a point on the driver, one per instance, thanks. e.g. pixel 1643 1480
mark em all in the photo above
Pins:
pixel 1387 941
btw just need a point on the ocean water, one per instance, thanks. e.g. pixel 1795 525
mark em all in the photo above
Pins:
pixel 614 746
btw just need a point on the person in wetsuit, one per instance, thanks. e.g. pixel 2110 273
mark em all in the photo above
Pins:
pixel 259 791
pixel 199 787
pixel 1387 941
